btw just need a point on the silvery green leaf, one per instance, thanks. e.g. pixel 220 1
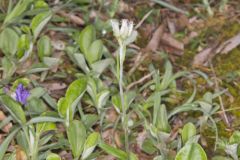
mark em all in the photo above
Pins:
pixel 99 66
pixel 193 139
pixel 90 144
pixel 133 156
pixel 89 120
pixel 191 151
pixel 188 131
pixel 156 107
pixel 22 141
pixel 153 130
pixel 51 61
pixel 53 156
pixel 47 98
pixel 92 89
pixel 27 52
pixel 206 107
pixel 158 158
pixel 232 150
pixel 67 104
pixel 94 52
pixel 23 45
pixel 164 136
pixel 222 143
pixel 87 36
pixel 116 101
pixel 45 126
pixel 170 6
pixel 121 155
pixel 17 11
pixel 216 107
pixel 235 138
pixel 9 41
pixel 217 94
pixel 36 105
pixel 6 142
pixel 36 68
pixel 44 47
pixel 45 139
pixel 208 7
pixel 24 81
pixel 162 119
pixel 39 21
pixel 9 67
pixel 208 97
pixel 129 98
pixel 148 146
pixel 76 133
pixel 41 4
pixel 81 1
pixel 41 119
pixel 80 61
pixel 183 108
pixel 14 108
pixel 36 92
pixel 102 98
pixel 167 76
pixel 113 8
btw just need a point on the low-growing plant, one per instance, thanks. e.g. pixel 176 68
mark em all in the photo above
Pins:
pixel 77 122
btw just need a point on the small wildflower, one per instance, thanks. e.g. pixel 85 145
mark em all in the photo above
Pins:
pixel 21 94
pixel 124 31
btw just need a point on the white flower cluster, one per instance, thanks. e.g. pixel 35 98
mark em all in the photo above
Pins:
pixel 124 31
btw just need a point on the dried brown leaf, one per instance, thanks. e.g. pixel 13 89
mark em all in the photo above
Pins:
pixel 154 42
pixel 207 54
pixel 106 157
pixel 72 17
pixel 117 139
pixel 2 116
pixel 54 86
pixel 7 128
pixel 20 154
pixel 229 45
pixel 111 115
pixel 169 40
pixel 171 26
pixel 201 57
pixel 141 138
pixel 65 155
pixel 1 138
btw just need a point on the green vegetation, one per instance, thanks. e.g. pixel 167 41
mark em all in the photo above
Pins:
pixel 80 80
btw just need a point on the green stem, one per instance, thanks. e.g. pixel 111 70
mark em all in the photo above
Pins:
pixel 25 131
pixel 216 132
pixel 102 116
pixel 124 111
pixel 35 148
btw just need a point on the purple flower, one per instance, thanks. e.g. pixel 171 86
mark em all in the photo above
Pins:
pixel 21 94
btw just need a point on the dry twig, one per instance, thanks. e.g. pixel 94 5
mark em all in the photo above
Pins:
pixel 223 113
pixel 139 81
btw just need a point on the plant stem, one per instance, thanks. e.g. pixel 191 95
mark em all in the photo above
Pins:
pixel 35 149
pixel 25 131
pixel 124 112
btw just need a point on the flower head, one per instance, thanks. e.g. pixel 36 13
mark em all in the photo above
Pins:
pixel 115 26
pixel 124 31
pixel 21 94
